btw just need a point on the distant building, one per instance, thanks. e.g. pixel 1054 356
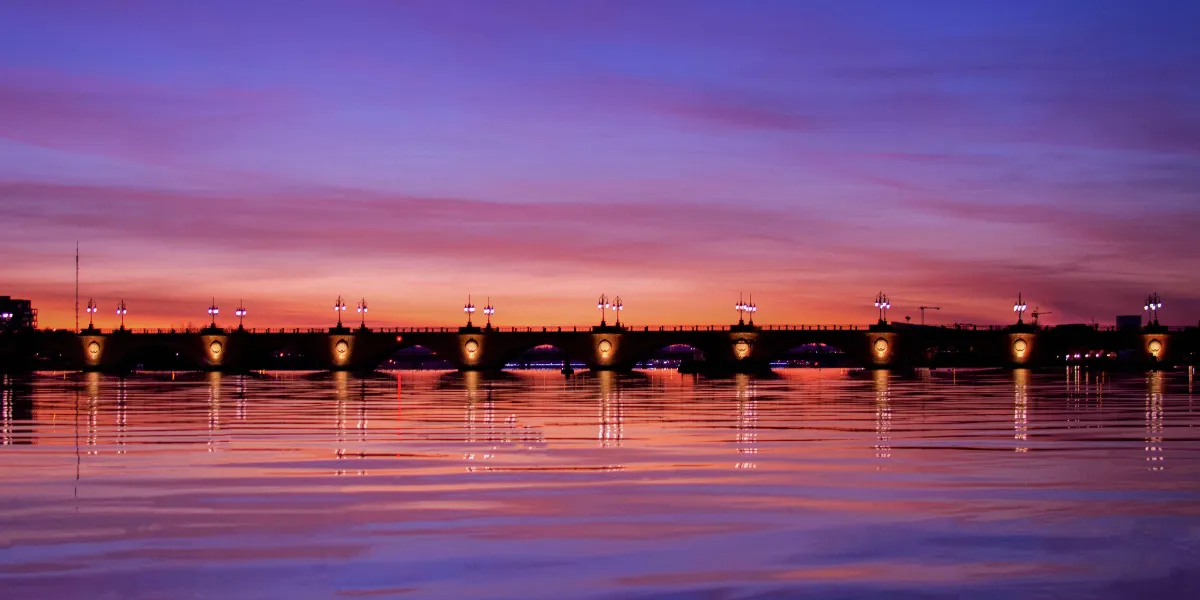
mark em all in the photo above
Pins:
pixel 1129 321
pixel 17 315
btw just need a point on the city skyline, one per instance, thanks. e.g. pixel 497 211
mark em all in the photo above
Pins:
pixel 674 154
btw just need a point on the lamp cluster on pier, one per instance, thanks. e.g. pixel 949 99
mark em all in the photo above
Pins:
pixel 1153 303
pixel 340 307
pixel 122 310
pixel 469 308
pixel 1020 307
pixel 213 311
pixel 883 304
pixel 745 308
pixel 91 311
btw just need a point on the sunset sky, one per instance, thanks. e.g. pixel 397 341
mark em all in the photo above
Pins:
pixel 672 153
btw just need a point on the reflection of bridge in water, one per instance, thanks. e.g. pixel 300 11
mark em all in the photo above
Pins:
pixel 724 349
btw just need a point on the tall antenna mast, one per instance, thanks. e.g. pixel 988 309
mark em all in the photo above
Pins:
pixel 76 286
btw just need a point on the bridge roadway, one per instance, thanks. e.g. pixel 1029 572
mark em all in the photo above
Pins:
pixel 724 348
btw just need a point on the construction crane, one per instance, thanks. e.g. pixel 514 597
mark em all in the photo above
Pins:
pixel 923 308
pixel 1037 313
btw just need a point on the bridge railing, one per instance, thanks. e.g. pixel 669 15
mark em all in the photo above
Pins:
pixel 582 328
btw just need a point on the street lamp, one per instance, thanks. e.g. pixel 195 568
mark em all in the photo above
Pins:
pixel 241 313
pixel 741 308
pixel 602 304
pixel 91 311
pixel 751 308
pixel 1020 307
pixel 122 311
pixel 883 304
pixel 340 306
pixel 617 308
pixel 489 310
pixel 1153 303
pixel 362 312
pixel 469 308
pixel 212 312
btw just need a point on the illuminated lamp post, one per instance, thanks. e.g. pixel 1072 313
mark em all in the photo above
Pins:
pixel 1020 307
pixel 91 311
pixel 340 307
pixel 602 304
pixel 617 308
pixel 469 308
pixel 1153 303
pixel 489 310
pixel 213 311
pixel 741 308
pixel 751 308
pixel 883 304
pixel 241 313
pixel 122 310
pixel 362 313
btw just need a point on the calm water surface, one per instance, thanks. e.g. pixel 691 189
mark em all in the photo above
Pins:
pixel 821 484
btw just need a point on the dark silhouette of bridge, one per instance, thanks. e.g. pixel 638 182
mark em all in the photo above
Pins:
pixel 725 349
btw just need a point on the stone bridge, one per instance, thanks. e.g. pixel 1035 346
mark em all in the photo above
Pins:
pixel 724 348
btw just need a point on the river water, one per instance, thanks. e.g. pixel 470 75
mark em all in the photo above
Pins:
pixel 815 484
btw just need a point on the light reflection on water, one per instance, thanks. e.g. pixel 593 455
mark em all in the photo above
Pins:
pixel 818 483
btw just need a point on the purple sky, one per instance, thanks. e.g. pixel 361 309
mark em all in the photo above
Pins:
pixel 673 153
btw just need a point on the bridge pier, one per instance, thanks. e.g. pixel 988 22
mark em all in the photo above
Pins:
pixel 1022 349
